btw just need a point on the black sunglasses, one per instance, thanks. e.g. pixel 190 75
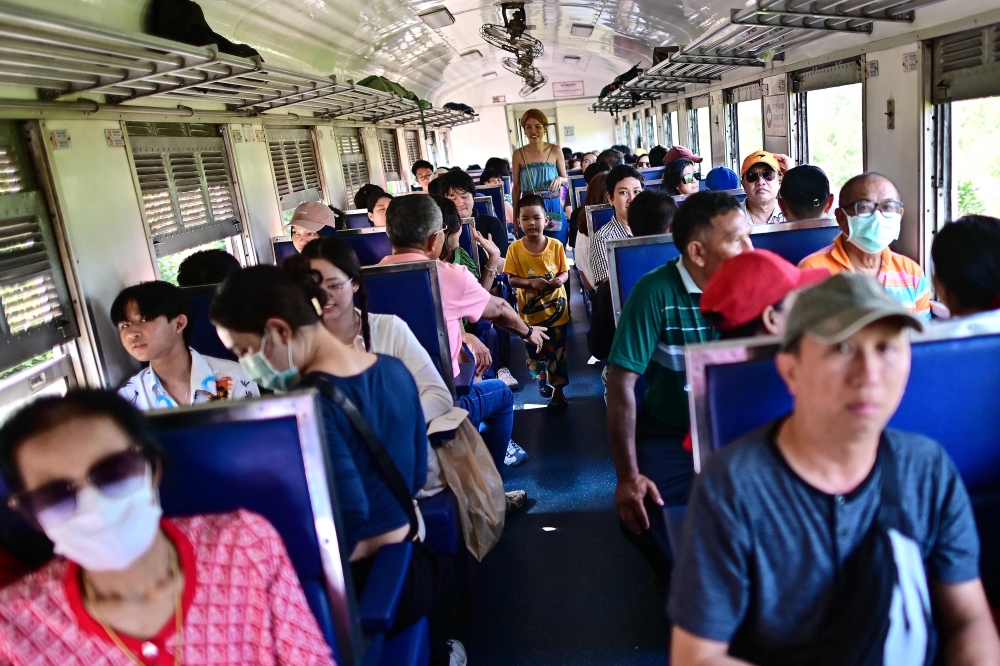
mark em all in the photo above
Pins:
pixel 752 176
pixel 56 501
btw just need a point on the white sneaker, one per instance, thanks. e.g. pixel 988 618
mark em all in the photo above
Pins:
pixel 456 653
pixel 503 374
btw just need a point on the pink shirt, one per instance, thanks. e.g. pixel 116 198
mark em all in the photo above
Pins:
pixel 461 297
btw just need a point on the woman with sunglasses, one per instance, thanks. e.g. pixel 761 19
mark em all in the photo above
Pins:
pixel 679 177
pixel 128 586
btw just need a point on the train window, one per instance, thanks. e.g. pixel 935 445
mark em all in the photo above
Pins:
pixel 390 155
pixel 183 177
pixel 293 158
pixel 618 133
pixel 671 131
pixel 352 160
pixel 650 129
pixel 36 313
pixel 701 130
pixel 744 114
pixel 432 148
pixel 412 138
pixel 628 133
pixel 829 127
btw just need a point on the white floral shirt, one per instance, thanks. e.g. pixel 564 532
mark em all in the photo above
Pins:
pixel 211 379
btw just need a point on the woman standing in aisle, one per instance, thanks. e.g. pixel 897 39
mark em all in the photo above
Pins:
pixel 539 166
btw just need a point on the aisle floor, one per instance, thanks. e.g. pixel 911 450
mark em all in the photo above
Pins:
pixel 564 586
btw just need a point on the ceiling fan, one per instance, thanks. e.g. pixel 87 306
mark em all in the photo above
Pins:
pixel 512 35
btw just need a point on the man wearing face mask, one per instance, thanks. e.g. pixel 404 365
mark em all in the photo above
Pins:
pixel 869 216
pixel 128 586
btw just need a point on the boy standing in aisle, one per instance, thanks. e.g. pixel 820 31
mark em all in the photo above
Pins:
pixel 537 268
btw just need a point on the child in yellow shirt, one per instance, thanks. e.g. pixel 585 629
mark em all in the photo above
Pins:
pixel 536 266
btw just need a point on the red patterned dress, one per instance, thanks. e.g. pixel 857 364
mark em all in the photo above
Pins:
pixel 243 606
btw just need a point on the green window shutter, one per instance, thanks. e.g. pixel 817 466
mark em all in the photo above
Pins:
pixel 352 160
pixel 296 170
pixel 390 154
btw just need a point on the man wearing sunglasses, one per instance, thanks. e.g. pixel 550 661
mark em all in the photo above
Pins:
pixel 761 178
pixel 869 215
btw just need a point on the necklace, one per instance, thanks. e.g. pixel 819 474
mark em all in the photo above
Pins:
pixel 178 615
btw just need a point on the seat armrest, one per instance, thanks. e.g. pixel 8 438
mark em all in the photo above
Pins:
pixel 463 380
pixel 377 607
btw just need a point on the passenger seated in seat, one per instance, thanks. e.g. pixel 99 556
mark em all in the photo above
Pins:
pixel 377 203
pixel 659 318
pixel 587 159
pixel 752 293
pixel 274 326
pixel 681 177
pixel 415 229
pixel 206 267
pixel 493 177
pixel 611 157
pixel 805 194
pixel 310 221
pixel 129 586
pixel 966 257
pixel 364 193
pixel 623 184
pixel 760 177
pixel 869 216
pixel 155 329
pixel 423 172
pixel 459 188
pixel 344 285
pixel 596 195
pixel 817 538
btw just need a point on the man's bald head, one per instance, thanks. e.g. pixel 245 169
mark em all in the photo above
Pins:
pixel 868 185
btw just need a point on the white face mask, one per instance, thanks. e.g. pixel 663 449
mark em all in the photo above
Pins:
pixel 108 533
pixel 873 233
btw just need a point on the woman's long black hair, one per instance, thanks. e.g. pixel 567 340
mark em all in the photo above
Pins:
pixel 340 254
pixel 674 173
pixel 249 297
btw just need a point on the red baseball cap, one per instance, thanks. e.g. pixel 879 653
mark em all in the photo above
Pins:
pixel 678 152
pixel 746 284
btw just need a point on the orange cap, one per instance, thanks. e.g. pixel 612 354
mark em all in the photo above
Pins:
pixel 761 156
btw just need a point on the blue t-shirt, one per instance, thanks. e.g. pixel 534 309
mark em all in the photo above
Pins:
pixel 387 397
pixel 761 549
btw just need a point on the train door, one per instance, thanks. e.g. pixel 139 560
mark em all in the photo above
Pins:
pixel 189 201
pixel 296 172
pixel 744 122
pixel 828 110
pixel 700 130
pixel 965 93
pixel 37 320
pixel 352 161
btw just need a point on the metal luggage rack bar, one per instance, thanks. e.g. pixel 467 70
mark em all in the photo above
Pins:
pixel 59 57
pixel 755 36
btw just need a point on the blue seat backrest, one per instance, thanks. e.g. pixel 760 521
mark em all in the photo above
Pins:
pixel 652 173
pixel 466 243
pixel 483 206
pixel 371 246
pixel 601 216
pixel 283 249
pixel 221 466
pixel 794 245
pixel 358 219
pixel 655 184
pixel 576 182
pixel 495 193
pixel 631 262
pixel 408 294
pixel 204 339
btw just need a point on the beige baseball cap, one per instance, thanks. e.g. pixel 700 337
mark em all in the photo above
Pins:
pixel 313 216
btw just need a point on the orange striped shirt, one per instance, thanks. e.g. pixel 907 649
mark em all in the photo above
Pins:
pixel 901 276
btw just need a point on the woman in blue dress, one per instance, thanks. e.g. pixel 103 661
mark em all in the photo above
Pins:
pixel 539 167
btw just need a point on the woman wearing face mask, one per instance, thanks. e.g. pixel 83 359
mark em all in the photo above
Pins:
pixel 128 586
pixel 540 167
pixel 273 324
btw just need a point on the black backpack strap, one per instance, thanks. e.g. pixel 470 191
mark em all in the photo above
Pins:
pixel 390 473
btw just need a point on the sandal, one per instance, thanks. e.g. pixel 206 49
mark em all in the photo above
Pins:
pixel 543 388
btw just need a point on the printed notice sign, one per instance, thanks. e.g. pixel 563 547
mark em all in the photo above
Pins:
pixel 114 137
pixel 776 115
pixel 569 131
pixel 261 137
pixel 60 139
pixel 872 69
pixel 237 136
pixel 248 132
pixel 567 89
pixel 499 99
pixel 910 62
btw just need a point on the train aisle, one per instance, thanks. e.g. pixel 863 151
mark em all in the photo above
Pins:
pixel 564 586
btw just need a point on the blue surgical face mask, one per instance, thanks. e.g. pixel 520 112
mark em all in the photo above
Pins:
pixel 873 233
pixel 260 370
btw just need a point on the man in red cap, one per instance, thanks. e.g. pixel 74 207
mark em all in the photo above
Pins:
pixel 308 220
pixel 760 177
pixel 752 293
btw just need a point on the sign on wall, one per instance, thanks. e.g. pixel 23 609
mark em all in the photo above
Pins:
pixel 569 131
pixel 499 99
pixel 567 89
pixel 776 115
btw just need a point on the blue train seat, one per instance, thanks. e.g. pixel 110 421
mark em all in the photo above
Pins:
pixel 794 241
pixel 483 205
pixel 204 339
pixel 576 183
pixel 371 245
pixel 654 184
pixel 631 258
pixel 580 197
pixel 358 219
pixel 282 248
pixel 466 242
pixel 495 193
pixel 949 397
pixel 269 456
pixel 652 173
pixel 740 195
pixel 598 216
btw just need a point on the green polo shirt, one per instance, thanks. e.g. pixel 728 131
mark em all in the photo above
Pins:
pixel 660 316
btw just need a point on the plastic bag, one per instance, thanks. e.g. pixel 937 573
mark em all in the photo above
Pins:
pixel 469 470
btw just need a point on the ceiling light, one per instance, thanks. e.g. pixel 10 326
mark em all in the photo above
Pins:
pixel 490 75
pixel 474 54
pixel 438 17
pixel 571 59
pixel 581 30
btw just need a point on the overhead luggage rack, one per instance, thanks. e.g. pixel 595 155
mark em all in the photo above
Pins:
pixel 61 58
pixel 752 38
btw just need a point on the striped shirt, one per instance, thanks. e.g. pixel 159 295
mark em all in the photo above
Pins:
pixel 660 317
pixel 901 276
pixel 613 230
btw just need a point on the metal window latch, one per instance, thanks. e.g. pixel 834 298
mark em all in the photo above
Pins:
pixel 890 114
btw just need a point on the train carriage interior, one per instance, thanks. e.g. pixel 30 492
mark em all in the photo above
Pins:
pixel 691 357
